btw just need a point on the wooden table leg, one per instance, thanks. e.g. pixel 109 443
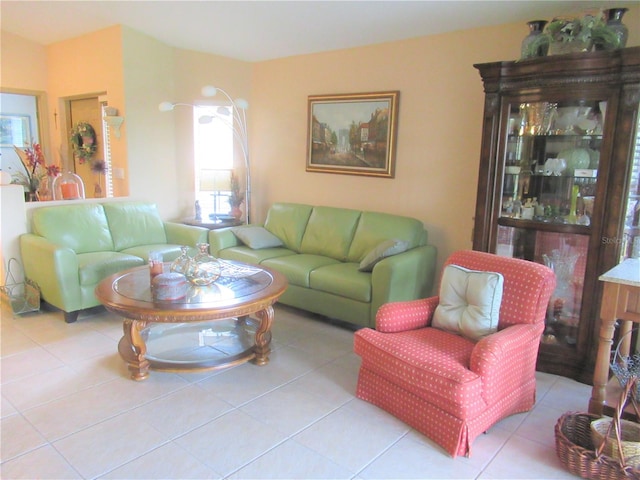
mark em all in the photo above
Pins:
pixel 262 347
pixel 133 349
pixel 601 370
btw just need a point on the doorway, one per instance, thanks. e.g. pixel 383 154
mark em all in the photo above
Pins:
pixel 89 110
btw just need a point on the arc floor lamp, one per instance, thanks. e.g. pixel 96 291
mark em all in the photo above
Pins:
pixel 235 117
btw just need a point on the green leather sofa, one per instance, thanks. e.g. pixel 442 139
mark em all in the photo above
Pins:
pixel 71 248
pixel 321 254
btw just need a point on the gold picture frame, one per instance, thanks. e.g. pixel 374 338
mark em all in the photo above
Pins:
pixel 353 134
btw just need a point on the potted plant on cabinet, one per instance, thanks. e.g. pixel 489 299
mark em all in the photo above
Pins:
pixel 570 35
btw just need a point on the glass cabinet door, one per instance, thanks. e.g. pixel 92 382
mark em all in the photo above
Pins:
pixel 631 235
pixel 550 173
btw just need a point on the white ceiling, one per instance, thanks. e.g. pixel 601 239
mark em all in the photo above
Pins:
pixel 263 30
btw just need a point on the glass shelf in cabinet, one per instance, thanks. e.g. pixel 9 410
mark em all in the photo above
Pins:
pixel 547 225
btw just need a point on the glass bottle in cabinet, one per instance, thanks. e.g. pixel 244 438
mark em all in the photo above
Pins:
pixel 554 171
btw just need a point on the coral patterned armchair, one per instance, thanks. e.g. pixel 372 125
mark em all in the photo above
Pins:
pixel 444 384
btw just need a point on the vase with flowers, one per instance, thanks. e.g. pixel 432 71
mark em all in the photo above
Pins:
pixel 236 198
pixel 36 172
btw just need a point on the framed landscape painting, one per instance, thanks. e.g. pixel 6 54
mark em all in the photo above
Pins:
pixel 15 130
pixel 353 134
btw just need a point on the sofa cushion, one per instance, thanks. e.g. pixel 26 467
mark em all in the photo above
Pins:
pixel 256 237
pixel 382 250
pixel 329 232
pixel 169 251
pixel 95 266
pixel 82 228
pixel 342 279
pixel 287 221
pixel 298 268
pixel 249 255
pixel 134 223
pixel 469 302
pixel 374 228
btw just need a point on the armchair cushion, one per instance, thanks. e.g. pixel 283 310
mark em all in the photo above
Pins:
pixel 382 250
pixel 469 302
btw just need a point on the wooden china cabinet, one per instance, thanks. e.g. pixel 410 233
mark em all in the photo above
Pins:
pixel 557 183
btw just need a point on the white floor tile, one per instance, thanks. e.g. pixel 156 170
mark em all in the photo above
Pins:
pixel 407 459
pixel 170 461
pixel 291 460
pixel 230 442
pixel 187 408
pixel 70 410
pixel 44 463
pixel 18 437
pixel 107 445
pixel 371 429
pixel 288 409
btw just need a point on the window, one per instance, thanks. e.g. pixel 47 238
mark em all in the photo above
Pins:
pixel 106 150
pixel 213 146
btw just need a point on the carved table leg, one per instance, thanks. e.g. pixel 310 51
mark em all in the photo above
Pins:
pixel 133 349
pixel 601 370
pixel 263 336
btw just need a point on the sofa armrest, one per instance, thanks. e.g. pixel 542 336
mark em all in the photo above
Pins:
pixel 504 359
pixel 403 316
pixel 181 234
pixel 222 238
pixel 54 269
pixel 402 277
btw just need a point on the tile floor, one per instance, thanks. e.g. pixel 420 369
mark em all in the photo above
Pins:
pixel 69 410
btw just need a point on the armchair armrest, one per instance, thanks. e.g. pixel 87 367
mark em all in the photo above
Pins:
pixel 54 269
pixel 188 235
pixel 502 359
pixel 403 316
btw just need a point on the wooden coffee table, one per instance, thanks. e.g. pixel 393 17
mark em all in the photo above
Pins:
pixel 216 326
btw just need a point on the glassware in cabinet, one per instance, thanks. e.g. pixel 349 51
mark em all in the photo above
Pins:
pixel 556 184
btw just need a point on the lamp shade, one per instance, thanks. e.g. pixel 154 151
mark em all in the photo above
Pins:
pixel 215 180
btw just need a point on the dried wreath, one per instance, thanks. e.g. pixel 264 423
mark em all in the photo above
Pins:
pixel 83 140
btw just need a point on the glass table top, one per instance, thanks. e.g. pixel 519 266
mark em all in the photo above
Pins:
pixel 235 282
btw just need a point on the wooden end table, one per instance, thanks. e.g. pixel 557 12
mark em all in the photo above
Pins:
pixel 620 301
pixel 216 326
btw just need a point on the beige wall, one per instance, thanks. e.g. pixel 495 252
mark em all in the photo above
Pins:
pixel 79 67
pixel 440 121
pixel 439 129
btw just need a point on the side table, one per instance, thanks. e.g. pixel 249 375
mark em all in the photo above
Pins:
pixel 620 301
pixel 212 224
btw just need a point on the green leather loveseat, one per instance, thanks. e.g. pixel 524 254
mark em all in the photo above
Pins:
pixel 71 248
pixel 340 263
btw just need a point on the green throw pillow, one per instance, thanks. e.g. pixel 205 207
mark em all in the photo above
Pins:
pixel 383 250
pixel 256 237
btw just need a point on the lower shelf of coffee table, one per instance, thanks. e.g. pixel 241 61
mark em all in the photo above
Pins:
pixel 199 346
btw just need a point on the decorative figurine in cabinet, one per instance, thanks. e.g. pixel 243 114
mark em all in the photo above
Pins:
pixel 557 148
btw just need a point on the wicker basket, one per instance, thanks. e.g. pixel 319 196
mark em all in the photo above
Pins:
pixel 23 297
pixel 574 448
pixel 602 429
pixel 575 440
